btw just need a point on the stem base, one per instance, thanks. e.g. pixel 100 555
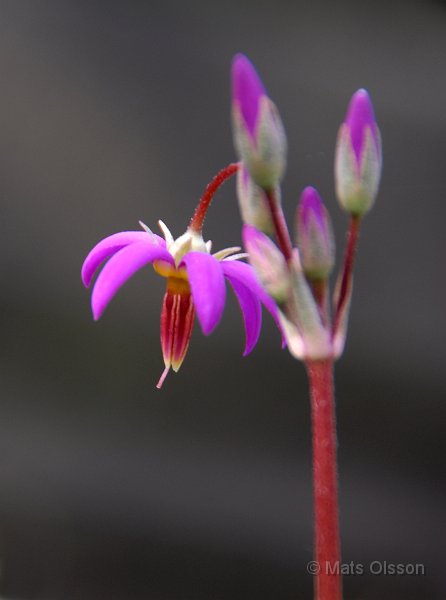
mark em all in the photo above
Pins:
pixel 327 551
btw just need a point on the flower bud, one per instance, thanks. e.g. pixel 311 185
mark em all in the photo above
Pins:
pixel 268 262
pixel 358 159
pixel 259 136
pixel 253 203
pixel 314 235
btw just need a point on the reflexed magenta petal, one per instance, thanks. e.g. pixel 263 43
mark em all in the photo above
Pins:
pixel 247 89
pixel 360 114
pixel 120 268
pixel 251 311
pixel 109 246
pixel 208 288
pixel 245 274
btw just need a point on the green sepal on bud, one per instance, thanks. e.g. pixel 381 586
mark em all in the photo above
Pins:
pixel 265 155
pixel 253 203
pixel 304 312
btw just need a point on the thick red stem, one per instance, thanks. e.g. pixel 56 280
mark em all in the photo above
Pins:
pixel 327 552
pixel 347 270
pixel 196 223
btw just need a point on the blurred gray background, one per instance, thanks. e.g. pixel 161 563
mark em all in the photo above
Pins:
pixel 111 112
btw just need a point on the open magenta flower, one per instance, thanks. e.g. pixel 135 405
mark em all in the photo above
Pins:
pixel 195 279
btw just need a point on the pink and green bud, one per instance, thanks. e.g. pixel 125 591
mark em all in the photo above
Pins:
pixel 314 236
pixel 253 204
pixel 259 135
pixel 358 159
pixel 301 325
pixel 268 262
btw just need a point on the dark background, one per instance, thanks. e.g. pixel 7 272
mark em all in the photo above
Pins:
pixel 111 112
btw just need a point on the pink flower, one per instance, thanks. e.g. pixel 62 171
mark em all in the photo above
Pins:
pixel 195 284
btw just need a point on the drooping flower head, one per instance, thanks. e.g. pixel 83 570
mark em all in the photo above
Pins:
pixel 258 131
pixel 195 279
pixel 358 160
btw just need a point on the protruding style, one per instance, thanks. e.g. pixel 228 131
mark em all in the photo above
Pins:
pixel 195 280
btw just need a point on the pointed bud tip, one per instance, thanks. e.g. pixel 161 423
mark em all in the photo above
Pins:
pixel 360 108
pixel 311 203
pixel 247 89
pixel 360 114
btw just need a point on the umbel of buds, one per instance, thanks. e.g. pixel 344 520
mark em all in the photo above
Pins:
pixel 313 326
pixel 297 277
pixel 358 158
pixel 258 131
